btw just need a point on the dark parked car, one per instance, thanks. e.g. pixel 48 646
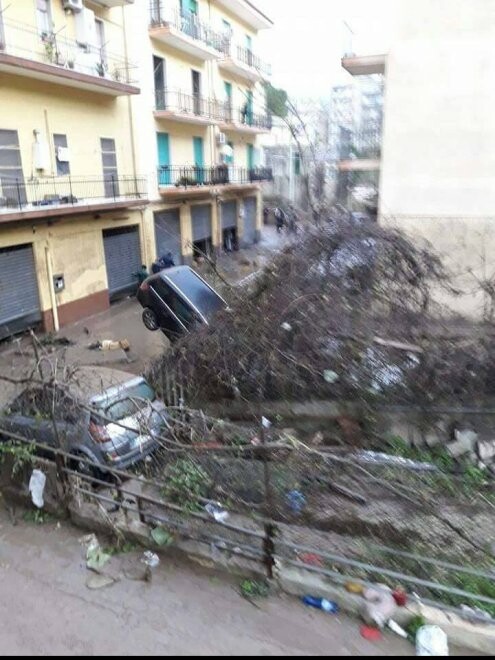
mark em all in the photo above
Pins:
pixel 176 300
pixel 110 417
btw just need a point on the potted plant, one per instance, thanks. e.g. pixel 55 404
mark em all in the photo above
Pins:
pixel 71 63
pixel 101 68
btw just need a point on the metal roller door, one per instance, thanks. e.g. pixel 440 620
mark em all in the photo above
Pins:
pixel 19 297
pixel 201 222
pixel 250 220
pixel 229 215
pixel 167 234
pixel 122 258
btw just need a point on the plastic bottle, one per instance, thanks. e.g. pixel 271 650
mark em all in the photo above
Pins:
pixel 321 604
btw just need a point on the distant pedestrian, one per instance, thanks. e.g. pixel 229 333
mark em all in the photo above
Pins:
pixel 292 223
pixel 167 261
pixel 142 275
pixel 279 219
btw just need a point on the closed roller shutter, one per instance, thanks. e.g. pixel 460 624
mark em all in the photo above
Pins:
pixel 201 222
pixel 19 297
pixel 122 258
pixel 250 220
pixel 229 215
pixel 167 234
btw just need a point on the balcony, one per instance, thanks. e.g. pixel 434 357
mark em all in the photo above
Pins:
pixel 243 62
pixel 196 181
pixel 247 12
pixel 244 120
pixel 52 197
pixel 186 108
pixel 361 151
pixel 108 4
pixel 364 65
pixel 56 59
pixel 184 31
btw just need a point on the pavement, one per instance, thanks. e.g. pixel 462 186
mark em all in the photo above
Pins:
pixel 47 609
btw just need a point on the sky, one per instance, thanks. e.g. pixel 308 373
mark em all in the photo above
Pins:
pixel 306 44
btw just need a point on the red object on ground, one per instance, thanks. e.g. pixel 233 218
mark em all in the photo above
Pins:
pixel 311 559
pixel 400 597
pixel 371 634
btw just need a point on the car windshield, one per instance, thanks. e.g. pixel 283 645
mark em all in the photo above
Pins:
pixel 128 402
pixel 204 299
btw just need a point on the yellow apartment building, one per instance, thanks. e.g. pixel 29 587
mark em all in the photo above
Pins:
pixel 127 129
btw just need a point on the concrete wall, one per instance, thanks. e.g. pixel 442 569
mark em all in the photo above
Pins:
pixel 438 157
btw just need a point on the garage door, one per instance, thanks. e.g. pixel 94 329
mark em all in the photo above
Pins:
pixel 19 298
pixel 167 234
pixel 229 215
pixel 250 220
pixel 122 258
pixel 201 222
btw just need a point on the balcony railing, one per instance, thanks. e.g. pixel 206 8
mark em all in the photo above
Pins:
pixel 179 102
pixel 245 116
pixel 248 58
pixel 193 177
pixel 161 15
pixel 68 191
pixel 24 41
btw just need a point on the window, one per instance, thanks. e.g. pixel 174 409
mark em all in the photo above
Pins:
pixel 61 154
pixel 110 173
pixel 44 17
pixel 11 168
pixel 100 40
pixel 227 27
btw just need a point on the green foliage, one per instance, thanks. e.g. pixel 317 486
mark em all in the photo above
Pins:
pixel 22 453
pixel 254 589
pixel 37 516
pixel 186 484
pixel 276 101
pixel 414 625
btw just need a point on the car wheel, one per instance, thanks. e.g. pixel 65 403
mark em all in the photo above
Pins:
pixel 150 320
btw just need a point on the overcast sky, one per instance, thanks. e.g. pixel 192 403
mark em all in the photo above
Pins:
pixel 306 43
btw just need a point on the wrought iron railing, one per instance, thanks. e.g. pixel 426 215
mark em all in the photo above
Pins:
pixel 246 56
pixel 68 191
pixel 21 40
pixel 188 104
pixel 162 15
pixel 192 177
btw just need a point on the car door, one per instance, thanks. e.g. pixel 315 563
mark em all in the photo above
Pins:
pixel 161 304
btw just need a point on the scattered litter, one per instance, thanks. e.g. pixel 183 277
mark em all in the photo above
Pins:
pixel 296 501
pixel 354 588
pixel 98 581
pixel 400 597
pixel 161 537
pixel 150 559
pixel 110 345
pixel 431 641
pixel 394 627
pixel 286 326
pixel 328 606
pixel 96 558
pixel 379 607
pixel 380 458
pixel 330 376
pixel 475 614
pixel 266 423
pixel 256 442
pixel 217 512
pixel 371 634
pixel 311 559
pixel 37 484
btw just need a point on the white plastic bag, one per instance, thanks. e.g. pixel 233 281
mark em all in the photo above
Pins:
pixel 431 641
pixel 36 487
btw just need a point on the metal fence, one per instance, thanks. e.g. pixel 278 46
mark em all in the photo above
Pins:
pixel 188 104
pixel 219 175
pixel 21 40
pixel 50 192
pixel 247 57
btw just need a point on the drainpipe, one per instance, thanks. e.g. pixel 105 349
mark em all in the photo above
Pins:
pixel 129 102
pixel 53 299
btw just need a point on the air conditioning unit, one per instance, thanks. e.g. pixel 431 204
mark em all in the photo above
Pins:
pixel 73 5
pixel 221 139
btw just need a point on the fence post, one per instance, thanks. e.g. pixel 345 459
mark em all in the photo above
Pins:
pixel 269 549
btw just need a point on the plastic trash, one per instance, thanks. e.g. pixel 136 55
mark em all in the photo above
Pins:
pixel 217 512
pixel 37 484
pixel 431 641
pixel 96 558
pixel 150 559
pixel 266 422
pixel 296 501
pixel 400 597
pixel 394 627
pixel 371 634
pixel 328 606
pixel 475 615
pixel 379 607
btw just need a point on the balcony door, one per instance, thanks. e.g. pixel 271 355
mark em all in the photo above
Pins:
pixel 159 76
pixel 196 90
pixel 228 101
pixel 110 172
pixel 199 158
pixel 163 146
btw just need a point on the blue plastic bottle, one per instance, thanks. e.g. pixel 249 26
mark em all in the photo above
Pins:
pixel 321 604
